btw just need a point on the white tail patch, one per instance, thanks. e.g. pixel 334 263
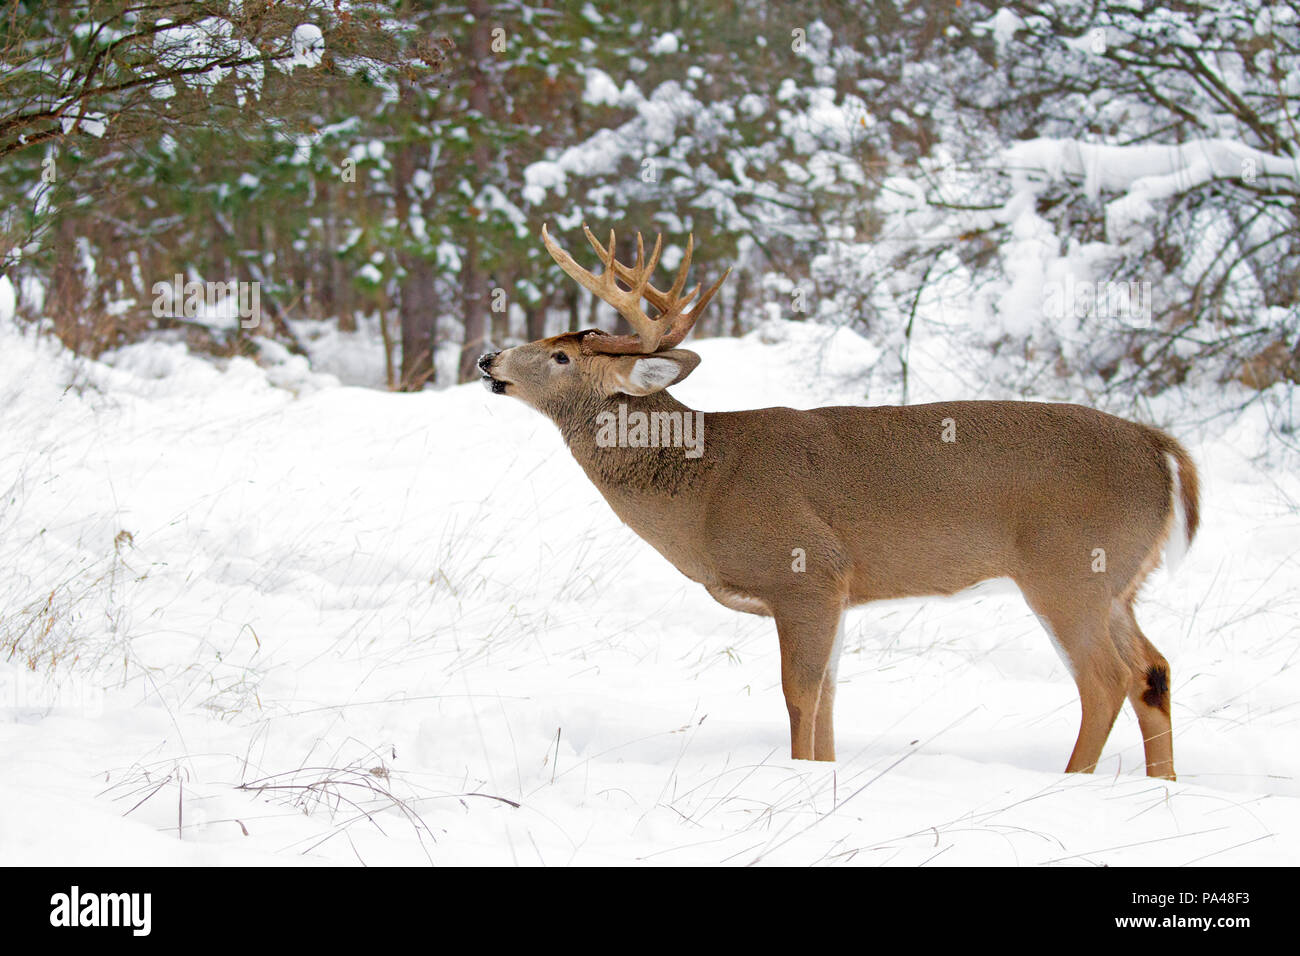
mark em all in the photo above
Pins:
pixel 1176 544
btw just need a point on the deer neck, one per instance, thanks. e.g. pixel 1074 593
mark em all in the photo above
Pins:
pixel 637 449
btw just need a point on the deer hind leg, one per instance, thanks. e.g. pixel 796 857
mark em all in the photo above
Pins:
pixel 1148 690
pixel 809 643
pixel 1079 625
pixel 824 723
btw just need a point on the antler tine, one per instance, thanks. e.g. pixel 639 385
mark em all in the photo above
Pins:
pixel 652 335
pixel 644 270
pixel 680 282
pixel 663 301
pixel 683 323
pixel 672 304
pixel 605 287
pixel 567 263
pixel 595 243
pixel 654 257
pixel 604 253
pixel 681 279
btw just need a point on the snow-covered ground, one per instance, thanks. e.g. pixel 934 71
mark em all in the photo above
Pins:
pixel 412 631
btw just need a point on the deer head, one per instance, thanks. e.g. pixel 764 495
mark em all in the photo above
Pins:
pixel 574 372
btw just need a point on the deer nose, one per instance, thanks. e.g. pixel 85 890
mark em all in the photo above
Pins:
pixel 485 361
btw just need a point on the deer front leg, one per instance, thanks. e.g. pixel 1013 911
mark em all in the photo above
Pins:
pixel 809 636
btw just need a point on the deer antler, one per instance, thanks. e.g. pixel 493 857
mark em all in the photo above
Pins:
pixel 664 331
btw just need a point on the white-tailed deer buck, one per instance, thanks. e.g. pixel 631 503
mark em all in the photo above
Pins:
pixel 1072 504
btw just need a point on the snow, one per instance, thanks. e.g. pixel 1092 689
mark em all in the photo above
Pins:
pixel 354 358
pixel 185 46
pixel 541 176
pixel 93 124
pixel 188 45
pixel 665 45
pixel 308 45
pixel 8 300
pixel 600 89
pixel 422 596
pixel 1143 174
pixel 1004 25
pixel 1037 263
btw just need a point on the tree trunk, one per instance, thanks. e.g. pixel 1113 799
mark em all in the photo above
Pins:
pixel 417 308
pixel 535 321
pixel 575 320
pixel 474 311
pixel 385 333
pixel 335 300
pixel 67 303
pixel 737 306
pixel 472 279
pixel 417 312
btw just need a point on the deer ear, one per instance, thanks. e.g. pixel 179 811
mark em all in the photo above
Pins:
pixel 644 374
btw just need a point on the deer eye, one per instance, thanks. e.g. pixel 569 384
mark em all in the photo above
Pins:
pixel 560 358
